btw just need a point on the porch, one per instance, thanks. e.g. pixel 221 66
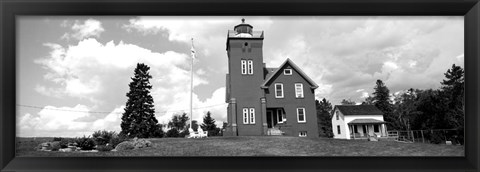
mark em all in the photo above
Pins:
pixel 277 122
pixel 366 128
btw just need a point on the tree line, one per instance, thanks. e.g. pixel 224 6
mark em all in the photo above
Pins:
pixel 413 109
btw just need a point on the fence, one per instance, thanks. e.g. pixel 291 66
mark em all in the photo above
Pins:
pixel 436 136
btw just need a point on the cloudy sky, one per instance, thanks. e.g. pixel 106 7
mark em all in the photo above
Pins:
pixel 73 72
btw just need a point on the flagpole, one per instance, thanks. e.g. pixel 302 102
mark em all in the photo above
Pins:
pixel 191 87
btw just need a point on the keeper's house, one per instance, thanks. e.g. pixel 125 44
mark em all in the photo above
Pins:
pixel 358 122
pixel 265 101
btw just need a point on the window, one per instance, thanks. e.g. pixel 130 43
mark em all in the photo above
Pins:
pixel 278 90
pixel 245 115
pixel 252 115
pixel 375 128
pixel 250 67
pixel 338 129
pixel 248 115
pixel 244 67
pixel 299 90
pixel 287 72
pixel 355 129
pixel 301 115
pixel 338 118
pixel 302 134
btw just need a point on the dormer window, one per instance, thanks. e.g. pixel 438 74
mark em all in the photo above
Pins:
pixel 287 72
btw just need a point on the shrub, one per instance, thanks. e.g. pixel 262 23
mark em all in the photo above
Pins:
pixel 437 138
pixel 64 142
pixel 141 143
pixel 103 137
pixel 184 133
pixel 47 145
pixel 126 145
pixel 55 146
pixel 173 133
pixel 104 148
pixel 85 143
pixel 114 141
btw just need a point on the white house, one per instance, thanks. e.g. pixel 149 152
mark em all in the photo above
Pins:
pixel 357 122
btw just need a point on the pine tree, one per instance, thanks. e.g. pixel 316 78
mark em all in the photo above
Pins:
pixel 324 119
pixel 381 99
pixel 209 125
pixel 139 120
pixel 453 90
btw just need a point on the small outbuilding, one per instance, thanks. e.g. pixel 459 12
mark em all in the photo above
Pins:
pixel 358 122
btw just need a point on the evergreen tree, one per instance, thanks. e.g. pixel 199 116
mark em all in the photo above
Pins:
pixel 324 118
pixel 209 125
pixel 453 90
pixel 381 99
pixel 139 120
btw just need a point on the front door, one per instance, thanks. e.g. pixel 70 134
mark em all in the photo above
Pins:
pixel 270 119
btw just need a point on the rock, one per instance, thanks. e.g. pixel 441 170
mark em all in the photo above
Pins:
pixel 126 145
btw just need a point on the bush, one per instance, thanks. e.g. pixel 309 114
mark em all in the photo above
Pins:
pixel 126 145
pixel 159 132
pixel 103 137
pixel 184 133
pixel 141 143
pixel 173 133
pixel 104 148
pixel 55 146
pixel 64 142
pixel 114 141
pixel 437 138
pixel 85 143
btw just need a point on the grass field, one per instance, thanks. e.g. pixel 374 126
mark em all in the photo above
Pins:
pixel 260 146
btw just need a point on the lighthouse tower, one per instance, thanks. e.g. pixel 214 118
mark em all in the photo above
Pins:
pixel 245 75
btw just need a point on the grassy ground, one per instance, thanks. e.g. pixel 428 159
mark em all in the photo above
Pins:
pixel 261 146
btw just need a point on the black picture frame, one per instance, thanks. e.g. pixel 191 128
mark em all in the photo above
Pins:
pixel 9 9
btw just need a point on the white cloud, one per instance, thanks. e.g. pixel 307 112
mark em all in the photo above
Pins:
pixel 66 122
pixel 364 95
pixel 90 69
pixel 89 28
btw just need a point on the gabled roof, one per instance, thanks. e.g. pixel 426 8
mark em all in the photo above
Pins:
pixel 295 67
pixel 269 71
pixel 359 110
